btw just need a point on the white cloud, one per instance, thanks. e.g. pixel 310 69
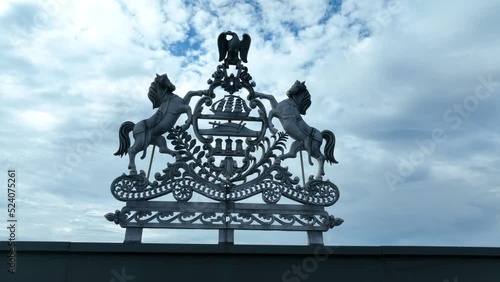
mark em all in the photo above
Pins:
pixel 39 121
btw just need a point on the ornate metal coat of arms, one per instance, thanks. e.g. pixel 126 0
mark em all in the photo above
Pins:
pixel 228 150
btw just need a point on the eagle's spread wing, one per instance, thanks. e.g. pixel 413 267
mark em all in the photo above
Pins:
pixel 244 46
pixel 222 43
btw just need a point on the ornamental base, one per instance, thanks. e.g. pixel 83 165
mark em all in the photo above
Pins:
pixel 226 217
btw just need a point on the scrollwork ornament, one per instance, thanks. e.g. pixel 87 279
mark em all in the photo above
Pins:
pixel 272 194
pixel 182 192
pixel 227 150
pixel 116 217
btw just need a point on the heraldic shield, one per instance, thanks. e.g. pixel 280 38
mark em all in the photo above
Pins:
pixel 228 150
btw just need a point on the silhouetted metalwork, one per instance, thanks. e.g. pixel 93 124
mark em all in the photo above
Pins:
pixel 229 49
pixel 306 137
pixel 149 131
pixel 231 157
pixel 219 215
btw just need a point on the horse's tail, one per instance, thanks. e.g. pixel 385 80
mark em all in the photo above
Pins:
pixel 125 129
pixel 330 145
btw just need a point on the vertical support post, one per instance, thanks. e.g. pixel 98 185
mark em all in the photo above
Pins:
pixel 302 166
pixel 226 236
pixel 315 238
pixel 151 161
pixel 133 235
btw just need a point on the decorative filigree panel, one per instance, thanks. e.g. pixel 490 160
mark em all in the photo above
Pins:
pixel 217 216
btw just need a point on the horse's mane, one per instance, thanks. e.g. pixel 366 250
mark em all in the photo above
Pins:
pixel 162 83
pixel 297 89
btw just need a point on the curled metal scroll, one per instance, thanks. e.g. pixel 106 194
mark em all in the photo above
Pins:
pixel 322 193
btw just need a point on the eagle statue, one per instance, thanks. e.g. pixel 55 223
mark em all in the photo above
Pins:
pixel 232 47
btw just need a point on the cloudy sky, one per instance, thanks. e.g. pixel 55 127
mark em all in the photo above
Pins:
pixel 410 88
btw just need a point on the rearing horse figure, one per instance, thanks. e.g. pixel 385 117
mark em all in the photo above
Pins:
pixel 149 131
pixel 306 138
